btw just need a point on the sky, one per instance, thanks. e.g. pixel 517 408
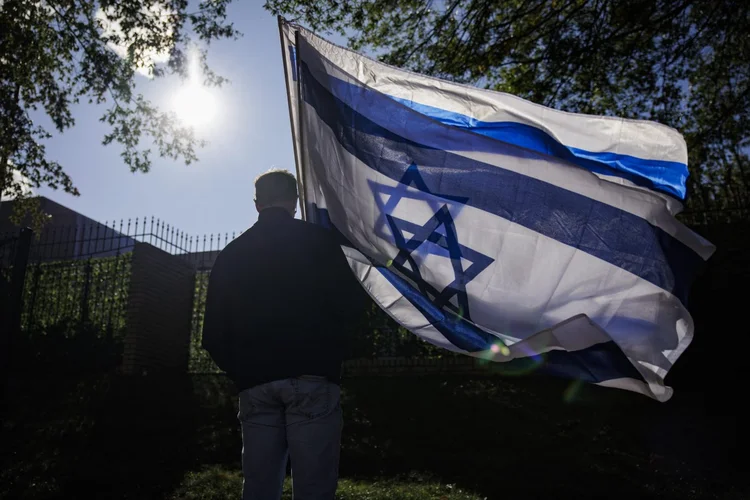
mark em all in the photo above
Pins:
pixel 249 134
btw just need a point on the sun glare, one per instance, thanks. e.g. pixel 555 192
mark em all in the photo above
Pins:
pixel 194 104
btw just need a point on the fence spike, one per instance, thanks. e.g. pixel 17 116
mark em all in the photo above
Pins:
pixel 127 234
pixel 107 234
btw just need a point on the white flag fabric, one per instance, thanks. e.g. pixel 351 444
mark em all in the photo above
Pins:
pixel 495 227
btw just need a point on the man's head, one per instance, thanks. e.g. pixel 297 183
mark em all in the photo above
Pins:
pixel 276 188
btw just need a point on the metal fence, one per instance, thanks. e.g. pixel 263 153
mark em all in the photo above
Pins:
pixel 69 295
pixel 14 250
pixel 8 244
pixel 118 237
pixel 77 279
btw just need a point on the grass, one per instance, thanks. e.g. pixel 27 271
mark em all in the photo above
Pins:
pixel 218 483
pixel 404 437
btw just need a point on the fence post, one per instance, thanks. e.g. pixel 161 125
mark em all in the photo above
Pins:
pixel 34 288
pixel 85 296
pixel 12 328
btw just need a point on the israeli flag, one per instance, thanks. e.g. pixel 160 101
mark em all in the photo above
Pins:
pixel 495 227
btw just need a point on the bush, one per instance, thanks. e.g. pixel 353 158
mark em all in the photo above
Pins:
pixel 67 347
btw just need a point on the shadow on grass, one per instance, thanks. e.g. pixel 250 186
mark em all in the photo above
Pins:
pixel 103 437
pixel 405 437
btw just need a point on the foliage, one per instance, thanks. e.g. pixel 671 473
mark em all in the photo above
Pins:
pixel 218 483
pixel 377 335
pixel 684 63
pixel 200 361
pixel 67 347
pixel 380 336
pixel 57 53
pixel 497 437
pixel 74 315
pixel 90 292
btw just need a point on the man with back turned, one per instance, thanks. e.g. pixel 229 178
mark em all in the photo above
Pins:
pixel 282 307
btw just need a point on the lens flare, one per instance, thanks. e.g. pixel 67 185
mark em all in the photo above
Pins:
pixel 571 392
pixel 499 348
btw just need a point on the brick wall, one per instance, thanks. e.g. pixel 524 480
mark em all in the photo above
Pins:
pixel 158 312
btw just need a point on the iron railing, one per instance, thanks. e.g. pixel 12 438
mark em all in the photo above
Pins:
pixel 78 276
pixel 117 237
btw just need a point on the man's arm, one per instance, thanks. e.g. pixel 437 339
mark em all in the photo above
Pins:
pixel 354 301
pixel 358 298
pixel 216 335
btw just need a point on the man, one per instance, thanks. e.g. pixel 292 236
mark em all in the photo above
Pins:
pixel 282 305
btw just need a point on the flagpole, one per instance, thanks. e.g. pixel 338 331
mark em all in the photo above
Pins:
pixel 297 163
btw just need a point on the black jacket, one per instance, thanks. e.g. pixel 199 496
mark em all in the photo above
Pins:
pixel 282 302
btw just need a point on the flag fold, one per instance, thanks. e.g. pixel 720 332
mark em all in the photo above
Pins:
pixel 495 227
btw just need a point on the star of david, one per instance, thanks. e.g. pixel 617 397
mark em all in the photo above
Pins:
pixel 437 236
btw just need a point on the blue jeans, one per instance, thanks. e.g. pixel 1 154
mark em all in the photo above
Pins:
pixel 298 418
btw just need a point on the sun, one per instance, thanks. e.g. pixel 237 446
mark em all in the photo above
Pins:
pixel 194 104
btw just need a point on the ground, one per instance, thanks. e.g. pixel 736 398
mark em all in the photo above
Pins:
pixel 408 437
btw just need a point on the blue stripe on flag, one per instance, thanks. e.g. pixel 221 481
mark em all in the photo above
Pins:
pixel 665 176
pixel 594 364
pixel 606 232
